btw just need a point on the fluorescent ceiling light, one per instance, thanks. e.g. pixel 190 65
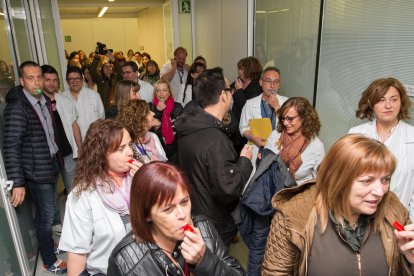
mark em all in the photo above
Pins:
pixel 264 12
pixel 103 11
pixel 278 11
pixel 111 0
pixel 1 13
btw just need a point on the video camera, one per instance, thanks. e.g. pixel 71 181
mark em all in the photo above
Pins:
pixel 101 48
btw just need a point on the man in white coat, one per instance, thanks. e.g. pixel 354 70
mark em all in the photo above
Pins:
pixel 88 102
pixel 262 106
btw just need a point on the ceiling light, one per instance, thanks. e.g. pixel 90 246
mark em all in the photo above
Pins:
pixel 278 11
pixel 1 13
pixel 102 12
pixel 111 0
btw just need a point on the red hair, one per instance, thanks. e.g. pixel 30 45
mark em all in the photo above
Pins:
pixel 155 183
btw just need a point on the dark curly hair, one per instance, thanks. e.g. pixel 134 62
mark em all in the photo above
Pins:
pixel 310 119
pixel 103 137
pixel 374 93
pixel 133 115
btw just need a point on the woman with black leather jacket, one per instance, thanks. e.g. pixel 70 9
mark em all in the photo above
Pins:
pixel 165 239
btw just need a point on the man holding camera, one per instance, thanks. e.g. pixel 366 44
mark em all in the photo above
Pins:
pixel 176 72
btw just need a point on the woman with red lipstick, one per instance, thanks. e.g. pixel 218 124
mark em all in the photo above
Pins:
pixel 385 104
pixel 296 140
pixel 97 209
pixel 342 224
pixel 165 239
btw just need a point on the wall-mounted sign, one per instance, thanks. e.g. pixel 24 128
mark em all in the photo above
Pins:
pixel 184 6
pixel 68 38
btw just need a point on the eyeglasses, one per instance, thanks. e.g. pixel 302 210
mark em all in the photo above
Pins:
pixel 269 81
pixel 74 79
pixel 288 118
pixel 127 72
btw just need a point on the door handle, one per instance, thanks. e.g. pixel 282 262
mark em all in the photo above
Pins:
pixel 9 185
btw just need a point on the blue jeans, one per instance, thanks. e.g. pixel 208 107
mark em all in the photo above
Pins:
pixel 44 197
pixel 68 173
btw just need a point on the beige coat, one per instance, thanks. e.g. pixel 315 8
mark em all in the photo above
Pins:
pixel 293 225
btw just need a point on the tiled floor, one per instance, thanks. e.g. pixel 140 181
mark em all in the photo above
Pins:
pixel 39 267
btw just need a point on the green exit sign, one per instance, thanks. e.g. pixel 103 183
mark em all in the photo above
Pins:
pixel 184 6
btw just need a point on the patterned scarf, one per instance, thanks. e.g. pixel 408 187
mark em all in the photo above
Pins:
pixel 166 123
pixel 291 149
pixel 353 237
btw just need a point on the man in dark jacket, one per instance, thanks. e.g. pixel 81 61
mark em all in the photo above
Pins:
pixel 217 176
pixel 31 155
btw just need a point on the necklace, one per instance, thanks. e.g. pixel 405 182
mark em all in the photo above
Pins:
pixel 383 137
pixel 355 225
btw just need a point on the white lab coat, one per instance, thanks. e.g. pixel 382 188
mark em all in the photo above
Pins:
pixel 401 144
pixel 68 114
pixel 90 108
pixel 91 228
pixel 252 110
pixel 146 91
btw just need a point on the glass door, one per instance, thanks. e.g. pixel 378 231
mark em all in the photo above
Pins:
pixel 18 244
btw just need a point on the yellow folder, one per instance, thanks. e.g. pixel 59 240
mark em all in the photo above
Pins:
pixel 261 127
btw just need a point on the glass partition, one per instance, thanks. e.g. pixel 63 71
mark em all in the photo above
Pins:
pixel 22 30
pixel 9 264
pixel 285 36
pixel 361 41
pixel 49 38
pixel 17 240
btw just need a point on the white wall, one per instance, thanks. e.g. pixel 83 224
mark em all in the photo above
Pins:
pixel 150 33
pixel 144 33
pixel 221 33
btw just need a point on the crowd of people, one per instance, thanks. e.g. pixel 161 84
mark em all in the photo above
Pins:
pixel 164 165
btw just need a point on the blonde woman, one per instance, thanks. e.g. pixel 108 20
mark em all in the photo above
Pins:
pixel 342 224
pixel 166 111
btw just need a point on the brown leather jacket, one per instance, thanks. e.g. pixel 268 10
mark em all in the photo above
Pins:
pixel 292 229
